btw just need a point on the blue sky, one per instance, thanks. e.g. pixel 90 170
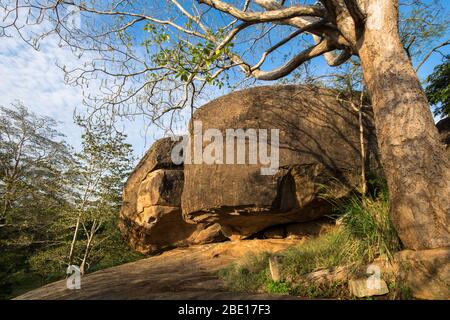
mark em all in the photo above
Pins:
pixel 34 78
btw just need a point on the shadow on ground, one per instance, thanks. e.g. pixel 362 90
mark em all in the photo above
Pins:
pixel 183 273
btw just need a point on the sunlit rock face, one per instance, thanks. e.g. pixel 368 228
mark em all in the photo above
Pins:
pixel 319 152
pixel 151 217
pixel 166 205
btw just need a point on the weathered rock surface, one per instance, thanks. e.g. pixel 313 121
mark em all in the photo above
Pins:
pixel 365 288
pixel 160 188
pixel 208 234
pixel 426 273
pixel 151 217
pixel 158 157
pixel 182 273
pixel 319 151
pixel 297 230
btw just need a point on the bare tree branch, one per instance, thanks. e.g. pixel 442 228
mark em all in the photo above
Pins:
pixel 286 13
pixel 443 44
pixel 294 63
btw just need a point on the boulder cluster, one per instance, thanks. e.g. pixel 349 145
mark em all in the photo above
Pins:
pixel 167 204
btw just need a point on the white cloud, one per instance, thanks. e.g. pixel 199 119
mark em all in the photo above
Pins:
pixel 34 78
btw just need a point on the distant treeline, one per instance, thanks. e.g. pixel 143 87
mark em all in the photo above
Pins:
pixel 58 207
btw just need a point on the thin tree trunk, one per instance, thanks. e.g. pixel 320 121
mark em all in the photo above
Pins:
pixel 359 109
pixel 6 204
pixel 4 211
pixel 77 225
pixel 88 248
pixel 74 239
pixel 414 162
pixel 363 151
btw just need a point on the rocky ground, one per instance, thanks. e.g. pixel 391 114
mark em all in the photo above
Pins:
pixel 182 273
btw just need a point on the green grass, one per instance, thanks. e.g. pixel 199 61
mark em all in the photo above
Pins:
pixel 277 287
pixel 365 233
pixel 336 289
pixel 251 274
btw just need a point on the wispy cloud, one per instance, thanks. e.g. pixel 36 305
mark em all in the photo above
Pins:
pixel 34 78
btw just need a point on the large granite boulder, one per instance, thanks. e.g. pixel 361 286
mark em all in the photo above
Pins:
pixel 319 152
pixel 166 205
pixel 150 217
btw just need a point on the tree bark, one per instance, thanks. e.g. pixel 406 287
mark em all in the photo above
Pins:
pixel 87 250
pixel 415 165
pixel 6 202
pixel 74 240
pixel 362 146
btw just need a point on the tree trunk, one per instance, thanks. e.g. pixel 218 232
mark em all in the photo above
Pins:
pixel 414 162
pixel 74 240
pixel 6 203
pixel 4 210
pixel 86 254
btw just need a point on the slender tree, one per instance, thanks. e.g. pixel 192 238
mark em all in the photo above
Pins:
pixel 33 189
pixel 32 161
pixel 102 166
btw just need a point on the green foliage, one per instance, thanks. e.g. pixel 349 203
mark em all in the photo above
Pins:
pixel 406 293
pixel 420 24
pixel 329 250
pixel 367 220
pixel 49 263
pixel 32 165
pixel 33 189
pixel 249 275
pixel 186 58
pixel 366 233
pixel 98 174
pixel 46 189
pixel 277 287
pixel 438 88
pixel 312 290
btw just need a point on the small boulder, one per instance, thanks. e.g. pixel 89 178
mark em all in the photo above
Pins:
pixel 362 288
pixel 210 234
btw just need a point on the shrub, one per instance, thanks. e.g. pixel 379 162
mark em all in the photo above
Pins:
pixel 249 275
pixel 366 232
pixel 277 287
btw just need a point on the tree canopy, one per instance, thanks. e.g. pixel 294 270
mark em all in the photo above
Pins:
pixel 46 189
pixel 438 88
pixel 157 58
